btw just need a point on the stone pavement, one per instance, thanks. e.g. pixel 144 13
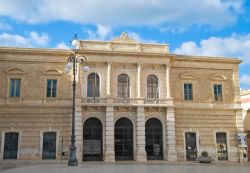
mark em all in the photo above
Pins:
pixel 9 166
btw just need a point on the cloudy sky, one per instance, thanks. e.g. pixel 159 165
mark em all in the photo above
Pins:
pixel 192 27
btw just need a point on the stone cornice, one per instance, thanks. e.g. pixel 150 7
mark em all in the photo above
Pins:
pixel 205 59
pixel 43 51
pixel 172 57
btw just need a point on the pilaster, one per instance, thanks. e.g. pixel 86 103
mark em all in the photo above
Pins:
pixel 109 136
pixel 168 89
pixel 171 154
pixel 138 80
pixel 108 78
pixel 141 155
pixel 78 129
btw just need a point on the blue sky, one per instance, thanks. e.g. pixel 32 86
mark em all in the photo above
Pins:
pixel 192 27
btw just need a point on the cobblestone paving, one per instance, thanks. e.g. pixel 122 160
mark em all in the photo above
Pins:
pixel 123 167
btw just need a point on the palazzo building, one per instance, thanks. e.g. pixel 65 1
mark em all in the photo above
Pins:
pixel 137 102
pixel 245 104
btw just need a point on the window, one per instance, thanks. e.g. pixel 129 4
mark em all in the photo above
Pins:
pixel 51 87
pixel 123 86
pixel 152 87
pixel 15 87
pixel 188 91
pixel 93 85
pixel 217 92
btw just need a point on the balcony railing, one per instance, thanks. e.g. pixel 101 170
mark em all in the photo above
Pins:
pixel 124 100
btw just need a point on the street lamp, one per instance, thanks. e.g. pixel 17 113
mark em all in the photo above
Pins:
pixel 72 62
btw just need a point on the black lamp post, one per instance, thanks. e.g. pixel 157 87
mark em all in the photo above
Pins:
pixel 72 62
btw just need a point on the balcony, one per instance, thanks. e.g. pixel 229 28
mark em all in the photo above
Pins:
pixel 125 101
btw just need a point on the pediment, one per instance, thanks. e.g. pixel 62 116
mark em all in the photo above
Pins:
pixel 187 76
pixel 14 70
pixel 52 72
pixel 217 77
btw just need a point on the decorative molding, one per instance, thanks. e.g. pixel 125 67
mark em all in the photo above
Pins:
pixel 52 72
pixel 187 76
pixel 14 70
pixel 217 77
pixel 124 38
pixel 123 66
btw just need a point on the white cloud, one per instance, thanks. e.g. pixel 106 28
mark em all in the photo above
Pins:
pixel 234 46
pixel 33 39
pixel 101 33
pixel 216 13
pixel 137 37
pixel 39 40
pixel 62 45
pixel 245 79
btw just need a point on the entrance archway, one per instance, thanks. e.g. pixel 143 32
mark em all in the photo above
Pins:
pixel 10 146
pixel 92 140
pixel 123 139
pixel 154 146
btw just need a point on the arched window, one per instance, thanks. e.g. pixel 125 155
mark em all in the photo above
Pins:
pixel 152 87
pixel 123 86
pixel 93 85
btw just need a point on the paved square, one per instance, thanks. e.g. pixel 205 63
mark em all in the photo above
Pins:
pixel 124 167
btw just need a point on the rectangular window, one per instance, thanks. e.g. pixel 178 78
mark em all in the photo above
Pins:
pixel 15 87
pixel 188 91
pixel 51 87
pixel 218 92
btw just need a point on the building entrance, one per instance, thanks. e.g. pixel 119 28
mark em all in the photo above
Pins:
pixel 191 148
pixel 154 145
pixel 92 140
pixel 10 146
pixel 123 139
pixel 221 140
pixel 49 145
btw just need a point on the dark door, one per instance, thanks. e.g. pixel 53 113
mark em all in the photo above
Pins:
pixel 154 139
pixel 49 145
pixel 123 139
pixel 92 140
pixel 191 148
pixel 10 146
pixel 221 140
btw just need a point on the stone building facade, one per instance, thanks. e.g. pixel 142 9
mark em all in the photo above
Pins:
pixel 245 104
pixel 138 102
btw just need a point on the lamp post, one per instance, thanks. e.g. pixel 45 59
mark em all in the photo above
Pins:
pixel 72 62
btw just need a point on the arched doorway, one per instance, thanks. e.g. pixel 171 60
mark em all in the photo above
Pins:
pixel 49 145
pixel 154 146
pixel 123 139
pixel 10 146
pixel 92 140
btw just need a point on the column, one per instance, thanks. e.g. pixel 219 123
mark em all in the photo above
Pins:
pixel 140 135
pixel 171 154
pixel 109 135
pixel 168 90
pixel 108 78
pixel 138 80
pixel 79 117
pixel 78 129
